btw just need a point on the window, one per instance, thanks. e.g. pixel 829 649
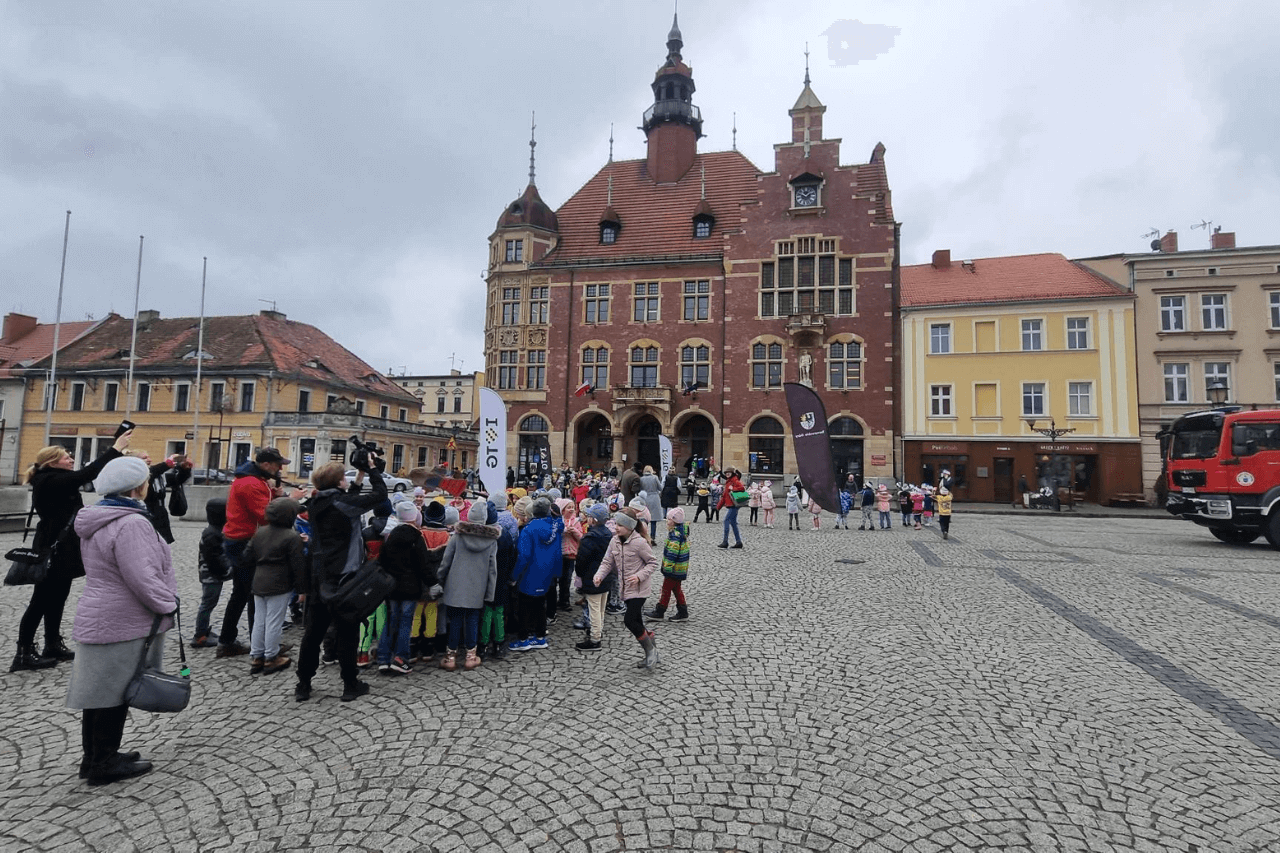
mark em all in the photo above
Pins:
pixel 330 401
pixel 536 368
pixel 595 367
pixel 440 405
pixel 695 366
pixel 1077 333
pixel 1080 399
pixel 515 251
pixel 397 456
pixel 77 396
pixel 1213 311
pixel 1276 370
pixel 1215 373
pixel 422 457
pixel 217 394
pixel 457 405
pixel 644 367
pixel 538 304
pixel 645 302
pixel 766 365
pixel 510 306
pixel 697 300
pixel 404 416
pixel 597 302
pixel 1032 335
pixel 246 396
pixel 940 401
pixel 384 411
pixel 507 369
pixel 1032 399
pixel 939 338
pixel 50 397
pixel 608 234
pixel 304 400
pixel 844 361
pixel 360 407
pixel 144 397
pixel 1175 383
pixel 765 442
pixel 1275 309
pixel 1173 313
pixel 806 276
pixel 181 397
pixel 111 397
pixel 702 227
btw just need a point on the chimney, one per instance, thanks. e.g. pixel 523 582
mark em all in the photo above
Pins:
pixel 148 316
pixel 17 326
pixel 942 259
pixel 272 315
pixel 1169 242
pixel 1222 240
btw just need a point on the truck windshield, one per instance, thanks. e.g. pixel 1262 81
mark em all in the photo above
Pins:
pixel 1196 437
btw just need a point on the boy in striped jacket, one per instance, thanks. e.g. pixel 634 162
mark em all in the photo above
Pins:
pixel 675 567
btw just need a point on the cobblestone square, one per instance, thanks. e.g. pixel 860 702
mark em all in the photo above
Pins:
pixel 1039 682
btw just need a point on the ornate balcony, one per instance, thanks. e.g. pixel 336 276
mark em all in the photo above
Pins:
pixel 657 396
pixel 807 330
pixel 351 422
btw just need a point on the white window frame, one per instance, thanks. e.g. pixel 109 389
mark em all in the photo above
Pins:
pixel 1032 332
pixel 240 395
pixel 1213 314
pixel 939 338
pixel 1224 376
pixel 941 401
pixel 1028 388
pixel 1172 374
pixel 1274 302
pixel 1173 313
pixel 74 404
pixel 1080 399
pixel 115 404
pixel 137 397
pixel 1074 335
pixel 176 386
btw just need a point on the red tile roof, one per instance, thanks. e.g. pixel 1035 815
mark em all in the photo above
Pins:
pixel 1016 278
pixel 657 219
pixel 252 342
pixel 38 344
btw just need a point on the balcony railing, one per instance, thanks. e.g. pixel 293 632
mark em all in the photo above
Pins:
pixel 359 423
pixel 673 111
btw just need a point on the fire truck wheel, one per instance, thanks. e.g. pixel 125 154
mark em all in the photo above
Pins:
pixel 1235 537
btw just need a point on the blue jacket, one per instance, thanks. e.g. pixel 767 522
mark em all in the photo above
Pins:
pixel 538 557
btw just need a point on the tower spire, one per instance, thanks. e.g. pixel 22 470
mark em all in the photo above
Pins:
pixel 806 63
pixel 533 143
pixel 610 142
pixel 735 131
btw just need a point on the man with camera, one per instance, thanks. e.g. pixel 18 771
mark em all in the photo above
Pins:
pixel 337 549
pixel 247 501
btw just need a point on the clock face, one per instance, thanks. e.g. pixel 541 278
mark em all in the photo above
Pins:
pixel 806 196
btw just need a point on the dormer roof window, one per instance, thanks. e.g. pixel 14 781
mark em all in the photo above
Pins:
pixel 610 226
pixel 703 220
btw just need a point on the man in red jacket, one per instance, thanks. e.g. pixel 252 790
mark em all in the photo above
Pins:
pixel 247 502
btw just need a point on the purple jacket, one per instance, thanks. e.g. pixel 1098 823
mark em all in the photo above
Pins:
pixel 128 576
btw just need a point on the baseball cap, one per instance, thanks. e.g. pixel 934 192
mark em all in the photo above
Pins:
pixel 270 454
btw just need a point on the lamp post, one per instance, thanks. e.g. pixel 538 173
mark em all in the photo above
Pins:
pixel 1218 393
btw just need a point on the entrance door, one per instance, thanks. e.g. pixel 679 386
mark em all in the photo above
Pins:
pixel 647 450
pixel 1002 479
pixel 695 441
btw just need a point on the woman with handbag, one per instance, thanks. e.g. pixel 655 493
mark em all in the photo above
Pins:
pixel 55 498
pixel 729 504
pixel 129 581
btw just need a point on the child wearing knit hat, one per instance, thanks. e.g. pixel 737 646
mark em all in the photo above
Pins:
pixel 631 559
pixel 675 567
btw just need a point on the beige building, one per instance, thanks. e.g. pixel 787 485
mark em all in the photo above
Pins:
pixel 449 401
pixel 1204 318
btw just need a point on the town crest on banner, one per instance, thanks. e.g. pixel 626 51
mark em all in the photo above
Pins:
pixel 813 445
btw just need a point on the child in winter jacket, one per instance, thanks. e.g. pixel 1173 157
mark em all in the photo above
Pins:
pixel 793 507
pixel 917 506
pixel 469 575
pixel 884 505
pixel 767 503
pixel 904 503
pixel 214 571
pixel 675 567
pixel 868 497
pixel 407 559
pixel 927 517
pixel 816 512
pixel 704 504
pixel 277 554
pixel 591 551
pixel 538 556
pixel 753 502
pixel 568 553
pixel 846 504
pixel 944 512
pixel 632 560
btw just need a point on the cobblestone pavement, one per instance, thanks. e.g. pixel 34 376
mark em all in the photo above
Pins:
pixel 1040 683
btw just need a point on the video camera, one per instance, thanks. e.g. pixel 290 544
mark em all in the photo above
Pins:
pixel 367 456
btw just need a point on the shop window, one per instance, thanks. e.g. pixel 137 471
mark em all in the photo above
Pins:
pixel 765 447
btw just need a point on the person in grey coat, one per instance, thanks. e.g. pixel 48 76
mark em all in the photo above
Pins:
pixel 469 577
pixel 652 488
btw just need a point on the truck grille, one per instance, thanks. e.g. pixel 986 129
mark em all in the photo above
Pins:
pixel 1194 479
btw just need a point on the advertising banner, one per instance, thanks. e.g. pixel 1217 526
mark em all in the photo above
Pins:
pixel 812 445
pixel 493 441
pixel 664 450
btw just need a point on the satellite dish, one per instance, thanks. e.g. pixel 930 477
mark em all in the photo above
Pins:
pixel 1155 245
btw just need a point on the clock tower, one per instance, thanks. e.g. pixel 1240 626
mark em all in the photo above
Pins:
pixel 673 124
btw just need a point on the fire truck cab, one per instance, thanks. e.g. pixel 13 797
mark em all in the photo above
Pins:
pixel 1223 473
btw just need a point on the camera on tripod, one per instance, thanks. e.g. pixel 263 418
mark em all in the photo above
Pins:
pixel 367 456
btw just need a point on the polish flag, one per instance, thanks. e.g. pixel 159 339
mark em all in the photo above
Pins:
pixel 582 389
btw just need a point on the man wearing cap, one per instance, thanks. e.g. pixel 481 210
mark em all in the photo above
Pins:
pixel 246 512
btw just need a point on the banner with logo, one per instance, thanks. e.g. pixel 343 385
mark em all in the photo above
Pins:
pixel 493 442
pixel 664 451
pixel 813 445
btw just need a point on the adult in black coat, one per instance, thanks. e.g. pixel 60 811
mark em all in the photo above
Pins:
pixel 55 499
pixel 170 473
pixel 670 492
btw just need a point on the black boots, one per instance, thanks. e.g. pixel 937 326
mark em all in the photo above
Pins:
pixel 28 658
pixel 58 651
pixel 658 613
pixel 682 613
pixel 105 728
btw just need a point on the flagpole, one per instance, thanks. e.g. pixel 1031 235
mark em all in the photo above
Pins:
pixel 133 342
pixel 195 426
pixel 50 391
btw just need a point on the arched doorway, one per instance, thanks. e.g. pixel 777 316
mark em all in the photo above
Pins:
pixel 595 444
pixel 533 459
pixel 846 449
pixel 695 441
pixel 646 430
pixel 765 443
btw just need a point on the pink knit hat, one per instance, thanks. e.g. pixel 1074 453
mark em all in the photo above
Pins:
pixel 676 514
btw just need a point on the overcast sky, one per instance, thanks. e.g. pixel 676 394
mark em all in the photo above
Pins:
pixel 348 161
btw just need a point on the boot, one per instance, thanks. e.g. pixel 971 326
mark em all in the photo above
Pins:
pixel 658 613
pixel 499 651
pixel 450 660
pixel 28 658
pixel 58 651
pixel 682 614
pixel 108 764
pixel 650 644
pixel 472 661
pixel 255 666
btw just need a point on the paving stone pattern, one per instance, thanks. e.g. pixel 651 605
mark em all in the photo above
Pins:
pixel 1040 684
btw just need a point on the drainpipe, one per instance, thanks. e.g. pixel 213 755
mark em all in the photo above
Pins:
pixel 569 324
pixel 724 351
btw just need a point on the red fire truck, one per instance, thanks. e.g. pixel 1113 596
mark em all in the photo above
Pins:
pixel 1223 469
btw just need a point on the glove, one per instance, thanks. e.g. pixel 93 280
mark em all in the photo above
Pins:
pixel 435 591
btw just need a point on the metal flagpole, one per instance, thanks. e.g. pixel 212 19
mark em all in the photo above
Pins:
pixel 49 390
pixel 195 426
pixel 133 343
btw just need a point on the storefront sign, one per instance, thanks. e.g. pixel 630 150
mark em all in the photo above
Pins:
pixel 1066 448
pixel 946 448
pixel 877 459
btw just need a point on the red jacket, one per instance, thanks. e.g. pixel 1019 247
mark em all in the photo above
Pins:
pixel 733 484
pixel 246 507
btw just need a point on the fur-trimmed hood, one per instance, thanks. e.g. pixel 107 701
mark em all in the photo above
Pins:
pixel 483 534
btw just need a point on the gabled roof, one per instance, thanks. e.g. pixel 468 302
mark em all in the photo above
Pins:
pixel 251 342
pixel 16 355
pixel 657 218
pixel 1015 278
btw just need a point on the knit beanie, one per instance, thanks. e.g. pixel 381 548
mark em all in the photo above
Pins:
pixel 120 475
pixel 433 513
pixel 521 507
pixel 541 508
pixel 676 514
pixel 407 511
pixel 599 512
pixel 491 516
pixel 499 501
pixel 451 516
pixel 479 513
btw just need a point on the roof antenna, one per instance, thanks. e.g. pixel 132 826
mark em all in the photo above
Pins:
pixel 270 302
pixel 610 142
pixel 735 131
pixel 533 126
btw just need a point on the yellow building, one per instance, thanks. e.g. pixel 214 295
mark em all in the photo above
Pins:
pixel 265 381
pixel 1002 354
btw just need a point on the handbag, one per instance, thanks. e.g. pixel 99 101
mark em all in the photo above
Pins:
pixel 355 595
pixel 154 690
pixel 177 501
pixel 27 565
pixel 740 498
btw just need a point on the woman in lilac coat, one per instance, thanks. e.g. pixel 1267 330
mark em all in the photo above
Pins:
pixel 129 580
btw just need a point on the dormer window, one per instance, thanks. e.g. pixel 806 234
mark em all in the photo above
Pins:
pixel 608 233
pixel 702 226
pixel 806 191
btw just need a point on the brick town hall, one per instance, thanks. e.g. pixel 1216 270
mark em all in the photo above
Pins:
pixel 692 266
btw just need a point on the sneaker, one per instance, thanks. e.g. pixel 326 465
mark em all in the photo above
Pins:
pixel 207 641
pixel 580 625
pixel 518 645
pixel 537 643
pixel 354 691
pixel 551 620
pixel 589 646
pixel 739 545
pixel 327 659
pixel 230 650
pixel 362 660
pixel 384 669
pixel 400 667
pixel 616 611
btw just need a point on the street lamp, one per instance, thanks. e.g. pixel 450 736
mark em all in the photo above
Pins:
pixel 1218 393
pixel 1053 432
